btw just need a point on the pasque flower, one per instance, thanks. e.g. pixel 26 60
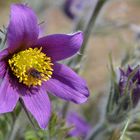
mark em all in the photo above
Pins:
pixel 80 126
pixel 76 8
pixel 132 83
pixel 68 9
pixel 124 94
pixel 29 67
pixel 73 7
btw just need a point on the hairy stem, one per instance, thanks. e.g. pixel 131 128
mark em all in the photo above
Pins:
pixel 90 25
pixel 27 113
pixel 87 31
pixel 96 131
pixel 124 130
pixel 64 109
pixel 16 126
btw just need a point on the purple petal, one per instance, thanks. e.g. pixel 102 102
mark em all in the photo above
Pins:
pixel 129 70
pixel 23 29
pixel 81 127
pixel 3 54
pixel 67 85
pixel 3 68
pixel 122 73
pixel 68 9
pixel 38 103
pixel 136 95
pixel 60 46
pixel 8 95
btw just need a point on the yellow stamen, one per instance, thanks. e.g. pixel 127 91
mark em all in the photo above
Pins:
pixel 31 66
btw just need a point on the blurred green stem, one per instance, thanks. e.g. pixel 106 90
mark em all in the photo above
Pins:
pixel 96 131
pixel 26 112
pixel 64 109
pixel 124 130
pixel 20 121
pixel 89 27
pixel 15 127
pixel 87 31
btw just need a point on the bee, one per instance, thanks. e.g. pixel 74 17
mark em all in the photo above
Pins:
pixel 35 73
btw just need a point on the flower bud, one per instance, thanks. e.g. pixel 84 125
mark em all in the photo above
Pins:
pixel 124 94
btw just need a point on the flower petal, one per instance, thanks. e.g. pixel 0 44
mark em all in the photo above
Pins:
pixel 68 8
pixel 66 84
pixel 3 54
pixel 3 68
pixel 23 29
pixel 81 127
pixel 38 103
pixel 8 95
pixel 60 46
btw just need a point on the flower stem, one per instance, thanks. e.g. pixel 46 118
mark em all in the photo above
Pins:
pixel 64 109
pixel 27 113
pixel 16 126
pixel 90 25
pixel 20 121
pixel 124 130
pixel 11 133
pixel 96 131
pixel 87 31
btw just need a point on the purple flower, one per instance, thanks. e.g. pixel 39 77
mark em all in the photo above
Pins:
pixel 72 8
pixel 77 8
pixel 133 83
pixel 29 67
pixel 81 127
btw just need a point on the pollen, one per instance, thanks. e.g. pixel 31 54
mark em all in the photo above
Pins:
pixel 31 66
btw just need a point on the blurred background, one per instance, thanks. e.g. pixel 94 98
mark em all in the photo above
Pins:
pixel 113 32
pixel 117 31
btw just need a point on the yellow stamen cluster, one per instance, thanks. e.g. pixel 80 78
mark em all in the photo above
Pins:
pixel 31 66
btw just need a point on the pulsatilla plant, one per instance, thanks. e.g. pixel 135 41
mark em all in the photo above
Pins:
pixel 29 67
pixel 124 94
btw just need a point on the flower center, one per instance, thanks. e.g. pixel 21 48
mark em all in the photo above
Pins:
pixel 31 66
